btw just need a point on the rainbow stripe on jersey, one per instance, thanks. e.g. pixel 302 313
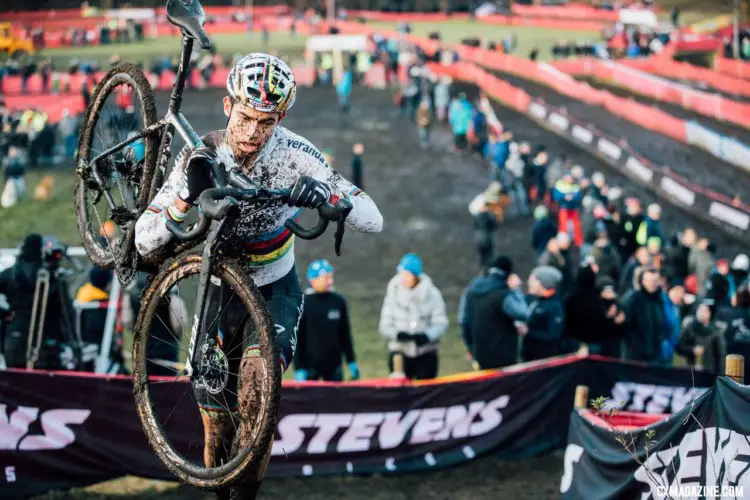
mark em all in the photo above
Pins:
pixel 270 247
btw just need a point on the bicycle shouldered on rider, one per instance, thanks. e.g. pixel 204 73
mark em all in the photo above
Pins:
pixel 261 89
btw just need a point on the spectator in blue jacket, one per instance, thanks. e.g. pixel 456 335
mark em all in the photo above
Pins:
pixel 543 231
pixel 459 117
pixel 673 301
pixel 546 316
pixel 479 128
pixel 344 89
pixel 499 153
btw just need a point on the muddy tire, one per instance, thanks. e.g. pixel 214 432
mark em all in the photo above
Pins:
pixel 246 460
pixel 123 248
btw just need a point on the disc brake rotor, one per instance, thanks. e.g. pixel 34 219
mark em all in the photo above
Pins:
pixel 213 369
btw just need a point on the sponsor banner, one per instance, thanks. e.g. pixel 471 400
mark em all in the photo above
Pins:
pixel 702 451
pixel 639 169
pixel 559 121
pixel 53 429
pixel 609 149
pixel 731 216
pixel 57 431
pixel 677 191
pixel 537 110
pixel 582 134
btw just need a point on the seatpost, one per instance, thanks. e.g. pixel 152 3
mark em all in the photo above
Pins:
pixel 175 100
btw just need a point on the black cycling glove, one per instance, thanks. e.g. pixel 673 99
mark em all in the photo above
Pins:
pixel 309 193
pixel 198 174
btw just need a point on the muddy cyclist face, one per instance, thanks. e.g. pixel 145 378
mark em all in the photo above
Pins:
pixel 248 129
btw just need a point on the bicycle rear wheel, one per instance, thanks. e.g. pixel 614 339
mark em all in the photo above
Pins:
pixel 170 419
pixel 123 104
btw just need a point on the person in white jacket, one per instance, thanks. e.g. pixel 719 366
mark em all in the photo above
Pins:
pixel 413 319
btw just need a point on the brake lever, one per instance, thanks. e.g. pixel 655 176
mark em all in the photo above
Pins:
pixel 338 236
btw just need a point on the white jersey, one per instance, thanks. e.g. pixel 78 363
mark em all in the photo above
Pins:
pixel 265 244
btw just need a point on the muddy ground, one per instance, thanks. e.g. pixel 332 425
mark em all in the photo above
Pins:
pixel 424 198
pixel 688 161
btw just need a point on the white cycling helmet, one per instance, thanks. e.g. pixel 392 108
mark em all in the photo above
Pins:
pixel 262 82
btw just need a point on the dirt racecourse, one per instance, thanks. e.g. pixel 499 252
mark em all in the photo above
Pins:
pixel 424 198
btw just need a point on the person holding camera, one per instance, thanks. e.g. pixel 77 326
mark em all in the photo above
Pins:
pixel 19 284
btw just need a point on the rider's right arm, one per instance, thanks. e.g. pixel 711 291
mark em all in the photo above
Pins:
pixel 151 231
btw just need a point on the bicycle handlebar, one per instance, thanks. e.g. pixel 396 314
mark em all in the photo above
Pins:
pixel 216 204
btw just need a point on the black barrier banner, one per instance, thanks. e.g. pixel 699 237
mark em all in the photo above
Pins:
pixel 62 431
pixel 646 388
pixel 703 451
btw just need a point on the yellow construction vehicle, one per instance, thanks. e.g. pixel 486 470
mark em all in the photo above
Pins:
pixel 13 46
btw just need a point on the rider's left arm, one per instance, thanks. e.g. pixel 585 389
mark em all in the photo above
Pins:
pixel 365 216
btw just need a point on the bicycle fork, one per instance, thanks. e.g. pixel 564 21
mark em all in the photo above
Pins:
pixel 201 304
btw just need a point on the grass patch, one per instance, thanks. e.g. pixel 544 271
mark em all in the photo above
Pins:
pixel 55 216
pixel 149 49
pixel 528 36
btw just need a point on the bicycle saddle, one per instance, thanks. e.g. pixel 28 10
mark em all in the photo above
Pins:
pixel 188 15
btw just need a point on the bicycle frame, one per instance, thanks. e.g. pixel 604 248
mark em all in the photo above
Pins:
pixel 174 119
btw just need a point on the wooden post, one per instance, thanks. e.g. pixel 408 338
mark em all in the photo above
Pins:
pixel 698 364
pixel 736 368
pixel 398 366
pixel 582 397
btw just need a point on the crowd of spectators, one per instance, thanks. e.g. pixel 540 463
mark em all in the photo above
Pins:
pixel 608 275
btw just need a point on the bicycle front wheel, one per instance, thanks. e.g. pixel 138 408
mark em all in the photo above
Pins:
pixel 122 105
pixel 222 383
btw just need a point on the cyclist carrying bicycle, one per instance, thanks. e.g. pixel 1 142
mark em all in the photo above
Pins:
pixel 261 89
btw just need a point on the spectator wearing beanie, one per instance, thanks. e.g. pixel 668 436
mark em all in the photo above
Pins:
pixel 489 312
pixel 324 336
pixel 702 336
pixel 543 231
pixel 546 316
pixel 646 323
pixel 413 319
